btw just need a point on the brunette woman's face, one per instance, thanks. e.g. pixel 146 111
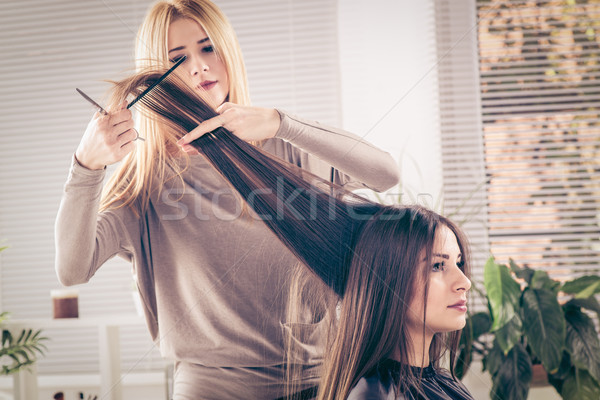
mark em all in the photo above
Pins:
pixel 448 287
pixel 207 72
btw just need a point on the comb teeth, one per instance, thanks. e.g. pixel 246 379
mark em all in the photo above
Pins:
pixel 177 64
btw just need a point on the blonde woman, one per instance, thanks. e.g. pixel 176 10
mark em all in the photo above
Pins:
pixel 211 279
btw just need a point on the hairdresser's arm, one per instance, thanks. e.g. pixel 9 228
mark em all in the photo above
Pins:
pixel 346 152
pixel 75 226
pixel 84 239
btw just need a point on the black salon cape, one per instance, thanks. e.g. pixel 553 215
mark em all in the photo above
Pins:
pixel 378 385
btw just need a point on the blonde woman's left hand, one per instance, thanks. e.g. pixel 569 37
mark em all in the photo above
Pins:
pixel 246 122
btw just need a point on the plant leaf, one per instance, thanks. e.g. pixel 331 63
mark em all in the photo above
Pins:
pixel 544 325
pixel 582 287
pixel 475 326
pixel 590 303
pixel 524 273
pixel 580 386
pixel 20 339
pixel 509 334
pixel 14 357
pixel 582 341
pixel 541 280
pixel 4 316
pixel 463 362
pixel 557 379
pixel 514 375
pixel 29 331
pixel 503 293
pixel 6 338
pixel 465 349
pixel 481 322
pixel 493 359
pixel 22 352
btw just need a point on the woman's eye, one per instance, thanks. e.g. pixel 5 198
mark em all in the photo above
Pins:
pixel 208 49
pixel 175 59
pixel 438 267
pixel 460 264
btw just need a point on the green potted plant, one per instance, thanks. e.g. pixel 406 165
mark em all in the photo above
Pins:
pixel 19 351
pixel 533 322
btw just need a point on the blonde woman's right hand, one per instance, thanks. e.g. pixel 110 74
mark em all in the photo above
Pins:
pixel 107 139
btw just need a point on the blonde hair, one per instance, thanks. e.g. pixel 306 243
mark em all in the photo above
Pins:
pixel 145 168
pixel 310 304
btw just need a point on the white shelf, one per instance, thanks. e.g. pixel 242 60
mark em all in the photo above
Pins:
pixel 26 383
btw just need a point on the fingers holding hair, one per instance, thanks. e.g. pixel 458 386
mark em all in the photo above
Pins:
pixel 205 127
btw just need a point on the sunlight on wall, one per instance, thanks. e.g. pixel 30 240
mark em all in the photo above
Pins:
pixel 389 86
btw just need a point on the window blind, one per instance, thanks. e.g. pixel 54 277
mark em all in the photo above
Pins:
pixel 519 104
pixel 540 108
pixel 51 47
pixel 464 175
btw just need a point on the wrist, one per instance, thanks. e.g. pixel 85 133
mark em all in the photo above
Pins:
pixel 86 164
pixel 275 118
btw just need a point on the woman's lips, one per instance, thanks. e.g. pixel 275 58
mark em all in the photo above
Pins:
pixel 207 85
pixel 460 306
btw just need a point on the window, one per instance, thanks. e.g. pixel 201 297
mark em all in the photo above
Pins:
pixel 520 99
pixel 540 98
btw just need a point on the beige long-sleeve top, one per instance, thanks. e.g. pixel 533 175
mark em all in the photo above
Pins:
pixel 210 280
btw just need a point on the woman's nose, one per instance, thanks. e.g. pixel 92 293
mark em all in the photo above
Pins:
pixel 461 281
pixel 198 66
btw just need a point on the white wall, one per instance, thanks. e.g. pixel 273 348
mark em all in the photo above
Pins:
pixel 389 85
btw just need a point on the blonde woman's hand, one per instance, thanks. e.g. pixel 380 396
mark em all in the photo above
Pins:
pixel 246 122
pixel 107 139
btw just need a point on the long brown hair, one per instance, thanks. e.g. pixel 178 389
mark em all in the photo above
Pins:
pixel 381 284
pixel 366 252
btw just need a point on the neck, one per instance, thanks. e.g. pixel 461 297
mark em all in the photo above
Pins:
pixel 418 351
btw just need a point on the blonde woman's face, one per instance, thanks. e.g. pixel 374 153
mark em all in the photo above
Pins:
pixel 206 71
pixel 448 287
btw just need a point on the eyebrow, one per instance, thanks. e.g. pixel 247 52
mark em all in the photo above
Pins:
pixel 445 256
pixel 183 47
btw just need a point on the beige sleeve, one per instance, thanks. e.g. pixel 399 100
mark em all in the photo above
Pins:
pixel 356 163
pixel 84 239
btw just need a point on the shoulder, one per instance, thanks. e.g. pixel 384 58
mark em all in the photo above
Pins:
pixel 451 387
pixel 373 388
